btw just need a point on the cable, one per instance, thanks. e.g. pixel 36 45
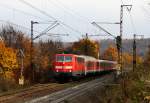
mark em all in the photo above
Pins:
pixel 94 23
pixel 146 12
pixel 46 14
pixel 132 22
pixel 122 1
pixel 131 18
pixel 20 26
pixel 20 11
pixel 70 11
pixel 75 14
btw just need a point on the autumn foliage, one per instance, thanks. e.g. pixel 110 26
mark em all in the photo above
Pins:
pixel 8 60
pixel 127 58
pixel 86 47
pixel 110 53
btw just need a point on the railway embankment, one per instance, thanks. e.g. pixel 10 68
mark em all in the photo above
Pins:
pixel 88 92
pixel 40 90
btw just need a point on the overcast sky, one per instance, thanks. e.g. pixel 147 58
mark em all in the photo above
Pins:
pixel 78 16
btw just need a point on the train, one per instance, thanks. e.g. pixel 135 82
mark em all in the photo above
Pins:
pixel 76 66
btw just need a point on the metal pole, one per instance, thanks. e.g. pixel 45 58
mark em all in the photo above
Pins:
pixel 134 52
pixel 121 31
pixel 121 52
pixel 31 53
pixel 86 48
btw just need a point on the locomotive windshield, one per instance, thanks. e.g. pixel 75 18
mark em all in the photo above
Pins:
pixel 64 58
pixel 68 58
pixel 60 58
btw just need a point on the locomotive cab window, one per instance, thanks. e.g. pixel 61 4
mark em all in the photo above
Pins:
pixel 80 60
pixel 60 58
pixel 68 59
pixel 64 59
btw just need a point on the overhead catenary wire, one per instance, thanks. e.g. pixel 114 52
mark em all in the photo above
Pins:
pixel 76 14
pixel 94 23
pixel 73 11
pixel 132 23
pixel 48 15
pixel 146 13
pixel 26 28
pixel 131 18
pixel 17 25
pixel 70 11
pixel 22 12
pixel 46 30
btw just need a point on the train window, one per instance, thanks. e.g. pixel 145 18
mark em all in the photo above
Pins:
pixel 90 64
pixel 68 59
pixel 80 60
pixel 97 64
pixel 60 58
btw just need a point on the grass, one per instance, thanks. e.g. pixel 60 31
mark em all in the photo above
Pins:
pixel 131 89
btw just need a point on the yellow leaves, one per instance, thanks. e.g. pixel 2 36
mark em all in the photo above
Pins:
pixel 9 75
pixel 110 53
pixel 139 59
pixel 44 63
pixel 7 57
pixel 86 47
pixel 127 59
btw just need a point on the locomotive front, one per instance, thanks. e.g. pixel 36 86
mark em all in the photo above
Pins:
pixel 64 65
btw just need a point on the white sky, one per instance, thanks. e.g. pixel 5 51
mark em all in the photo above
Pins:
pixel 79 14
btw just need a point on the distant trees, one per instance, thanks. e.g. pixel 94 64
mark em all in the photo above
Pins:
pixel 12 38
pixel 110 53
pixel 86 47
pixel 127 59
pixel 147 58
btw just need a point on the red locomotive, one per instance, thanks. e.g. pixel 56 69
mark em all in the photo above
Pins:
pixel 71 65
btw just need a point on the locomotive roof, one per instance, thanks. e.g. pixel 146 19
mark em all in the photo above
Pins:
pixel 108 61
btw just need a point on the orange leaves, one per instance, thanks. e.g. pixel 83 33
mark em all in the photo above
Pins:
pixel 127 59
pixel 86 47
pixel 147 60
pixel 8 60
pixel 110 53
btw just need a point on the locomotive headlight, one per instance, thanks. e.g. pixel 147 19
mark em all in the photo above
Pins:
pixel 68 67
pixel 58 67
pixel 70 71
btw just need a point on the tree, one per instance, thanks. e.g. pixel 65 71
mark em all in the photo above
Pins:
pixel 110 53
pixel 44 58
pixel 86 47
pixel 127 59
pixel 8 60
pixel 147 60
pixel 16 40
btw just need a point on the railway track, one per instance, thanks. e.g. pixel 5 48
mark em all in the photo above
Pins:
pixel 40 92
pixel 70 93
pixel 32 92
